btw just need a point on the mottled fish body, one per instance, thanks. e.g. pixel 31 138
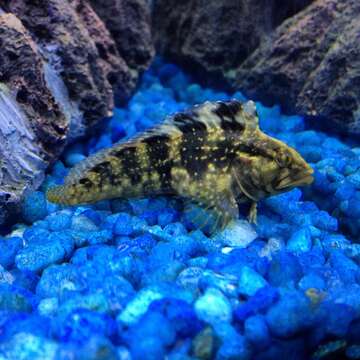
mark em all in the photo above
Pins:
pixel 213 154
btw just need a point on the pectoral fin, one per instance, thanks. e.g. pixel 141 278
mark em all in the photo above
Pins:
pixel 218 200
pixel 252 217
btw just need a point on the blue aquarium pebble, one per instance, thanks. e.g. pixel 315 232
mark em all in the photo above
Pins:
pixel 233 345
pixel 134 278
pixel 82 223
pixel 81 324
pixel 257 332
pixel 300 241
pixel 180 313
pixel 59 278
pixel 213 307
pixel 37 257
pixel 303 315
pixel 59 221
pixel 74 158
pixel 260 302
pixel 8 249
pixel 228 284
pixel 28 346
pixel 250 282
pixel 34 207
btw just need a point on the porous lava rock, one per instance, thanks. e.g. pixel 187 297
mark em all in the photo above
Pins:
pixel 213 37
pixel 129 22
pixel 60 70
pixel 311 65
pixel 114 66
pixel 66 44
pixel 32 127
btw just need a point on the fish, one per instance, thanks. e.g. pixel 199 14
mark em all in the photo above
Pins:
pixel 213 155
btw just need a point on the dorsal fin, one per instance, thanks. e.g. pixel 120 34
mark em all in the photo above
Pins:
pixel 251 115
pixel 229 115
pixel 79 170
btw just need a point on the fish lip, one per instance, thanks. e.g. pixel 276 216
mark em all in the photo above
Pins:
pixel 306 178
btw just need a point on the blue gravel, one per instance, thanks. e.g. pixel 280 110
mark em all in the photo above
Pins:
pixel 135 279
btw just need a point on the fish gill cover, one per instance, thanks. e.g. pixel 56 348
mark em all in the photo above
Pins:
pixel 137 279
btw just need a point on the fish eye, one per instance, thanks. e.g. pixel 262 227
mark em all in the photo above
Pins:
pixel 283 160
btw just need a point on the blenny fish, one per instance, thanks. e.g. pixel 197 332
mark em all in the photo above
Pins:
pixel 213 154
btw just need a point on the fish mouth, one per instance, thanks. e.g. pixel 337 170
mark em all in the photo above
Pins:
pixel 304 178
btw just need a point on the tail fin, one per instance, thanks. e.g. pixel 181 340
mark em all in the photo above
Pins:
pixel 57 195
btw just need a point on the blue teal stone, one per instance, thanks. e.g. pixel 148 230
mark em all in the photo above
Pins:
pixel 284 270
pixel 354 179
pixel 57 279
pixel 167 216
pixel 82 223
pixel 138 206
pixel 150 216
pixel 81 324
pixel 166 272
pixel 181 315
pixel 345 267
pixel 6 277
pixel 337 318
pixel 312 281
pixel 233 345
pixel 25 279
pixel 300 241
pixel 15 299
pixel 226 283
pixel 59 170
pixel 250 282
pixel 38 257
pixel 59 221
pixel 324 221
pixel 261 301
pixel 73 158
pixel 189 278
pixel 175 229
pixel 256 331
pixel 24 345
pixel 138 306
pixel 65 239
pixel 213 307
pixel 353 352
pixel 30 323
pixel 199 261
pixel 311 153
pixel 97 347
pixel 285 326
pixel 48 306
pixel 152 347
pixel 8 249
pixel 117 132
pixel 34 207
pixel 99 237
pixel 332 242
pixel 109 222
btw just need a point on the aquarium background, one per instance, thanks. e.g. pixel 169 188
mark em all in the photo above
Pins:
pixel 140 278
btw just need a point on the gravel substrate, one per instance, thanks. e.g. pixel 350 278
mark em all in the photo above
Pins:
pixel 136 280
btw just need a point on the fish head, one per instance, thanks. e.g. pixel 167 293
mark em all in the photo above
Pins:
pixel 267 166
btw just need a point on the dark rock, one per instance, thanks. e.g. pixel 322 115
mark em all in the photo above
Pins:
pixel 216 36
pixel 32 127
pixel 117 72
pixel 66 43
pixel 311 65
pixel 129 22
pixel 59 71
